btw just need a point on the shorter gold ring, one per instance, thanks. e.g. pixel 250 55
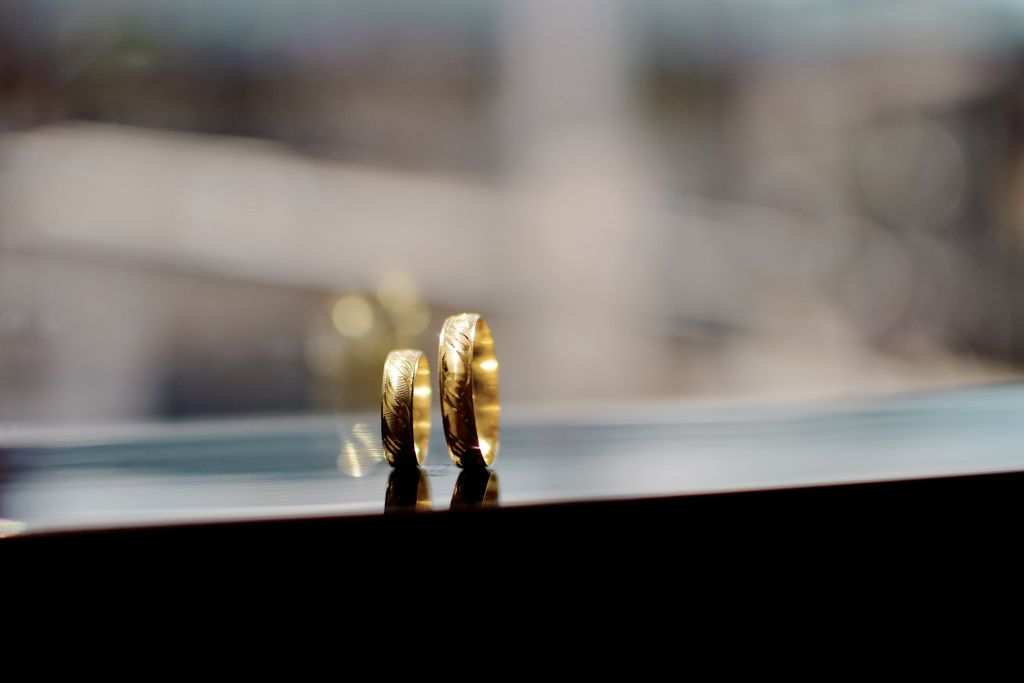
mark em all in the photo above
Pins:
pixel 468 377
pixel 405 408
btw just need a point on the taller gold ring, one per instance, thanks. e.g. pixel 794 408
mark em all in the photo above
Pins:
pixel 405 408
pixel 468 377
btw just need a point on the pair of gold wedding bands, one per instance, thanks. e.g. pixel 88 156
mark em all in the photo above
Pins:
pixel 468 383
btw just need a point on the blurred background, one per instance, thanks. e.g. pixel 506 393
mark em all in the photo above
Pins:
pixel 231 207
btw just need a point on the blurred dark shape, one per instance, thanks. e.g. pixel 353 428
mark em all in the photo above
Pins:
pixel 409 86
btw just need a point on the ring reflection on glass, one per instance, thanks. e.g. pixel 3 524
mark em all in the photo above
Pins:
pixel 405 408
pixel 476 488
pixel 408 491
pixel 468 381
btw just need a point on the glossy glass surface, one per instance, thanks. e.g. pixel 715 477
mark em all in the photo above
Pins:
pixel 154 474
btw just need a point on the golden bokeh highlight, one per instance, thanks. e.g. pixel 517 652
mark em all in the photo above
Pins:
pixel 352 316
pixel 399 295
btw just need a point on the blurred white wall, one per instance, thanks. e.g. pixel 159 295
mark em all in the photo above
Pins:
pixel 755 251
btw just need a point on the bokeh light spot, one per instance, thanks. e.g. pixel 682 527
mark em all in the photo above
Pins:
pixel 352 316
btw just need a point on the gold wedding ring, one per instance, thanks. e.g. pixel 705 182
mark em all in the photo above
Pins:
pixel 468 380
pixel 405 408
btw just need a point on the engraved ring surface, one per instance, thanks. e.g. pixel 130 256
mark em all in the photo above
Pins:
pixel 405 408
pixel 468 380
